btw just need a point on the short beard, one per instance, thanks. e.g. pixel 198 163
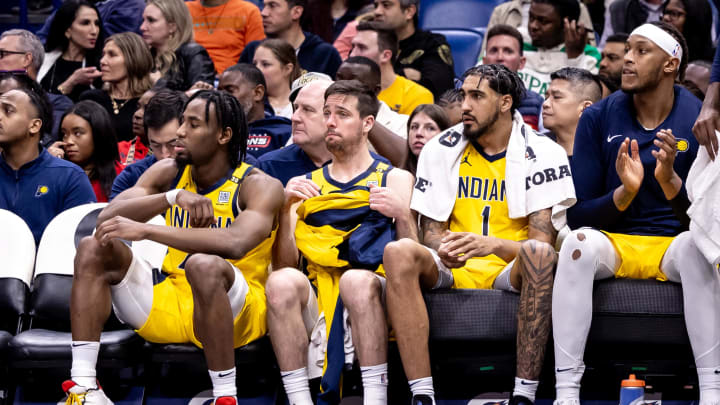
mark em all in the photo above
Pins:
pixel 183 160
pixel 482 127
pixel 643 87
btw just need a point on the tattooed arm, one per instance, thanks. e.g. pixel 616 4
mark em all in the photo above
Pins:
pixel 540 226
pixel 432 232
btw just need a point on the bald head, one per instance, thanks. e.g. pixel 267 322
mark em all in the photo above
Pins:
pixel 308 123
pixel 362 69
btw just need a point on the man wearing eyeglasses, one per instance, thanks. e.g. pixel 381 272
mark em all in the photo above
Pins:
pixel 21 52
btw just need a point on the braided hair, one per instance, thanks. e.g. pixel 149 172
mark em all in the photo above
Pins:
pixel 502 80
pixel 228 114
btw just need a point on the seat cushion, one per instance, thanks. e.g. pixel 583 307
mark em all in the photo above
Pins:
pixel 638 311
pixel 39 348
pixel 642 311
pixel 466 314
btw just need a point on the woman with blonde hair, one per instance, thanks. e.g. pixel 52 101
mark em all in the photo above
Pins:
pixel 179 61
pixel 277 61
pixel 125 65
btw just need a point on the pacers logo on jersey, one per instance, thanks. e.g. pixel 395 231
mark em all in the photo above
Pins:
pixel 682 145
pixel 41 191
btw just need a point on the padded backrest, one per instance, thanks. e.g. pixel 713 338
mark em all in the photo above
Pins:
pixel 17 248
pixel 56 253
pixel 465 45
pixel 56 257
pixel 17 261
pixel 471 14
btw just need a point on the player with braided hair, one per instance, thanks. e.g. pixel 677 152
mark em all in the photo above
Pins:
pixel 219 213
pixel 470 239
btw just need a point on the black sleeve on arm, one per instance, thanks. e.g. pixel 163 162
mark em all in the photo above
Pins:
pixel 595 206
pixel 199 67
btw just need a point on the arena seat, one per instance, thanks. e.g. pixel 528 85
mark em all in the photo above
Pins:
pixel 472 337
pixel 469 14
pixel 465 45
pixel 17 250
pixel 46 345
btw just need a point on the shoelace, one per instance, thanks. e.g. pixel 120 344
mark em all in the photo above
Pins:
pixel 75 399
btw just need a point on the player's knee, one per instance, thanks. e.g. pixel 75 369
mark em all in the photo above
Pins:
pixel 540 259
pixel 283 289
pixel 207 273
pixel 359 287
pixel 400 259
pixel 88 259
pixel 578 244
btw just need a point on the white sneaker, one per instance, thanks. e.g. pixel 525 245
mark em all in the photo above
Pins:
pixel 79 395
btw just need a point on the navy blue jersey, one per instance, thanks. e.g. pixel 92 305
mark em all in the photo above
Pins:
pixel 130 175
pixel 715 72
pixel 43 188
pixel 602 128
pixel 286 163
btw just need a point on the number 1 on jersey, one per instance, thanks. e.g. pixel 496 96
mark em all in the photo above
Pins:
pixel 486 221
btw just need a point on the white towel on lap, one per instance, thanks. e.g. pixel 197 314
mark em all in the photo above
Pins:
pixel 537 174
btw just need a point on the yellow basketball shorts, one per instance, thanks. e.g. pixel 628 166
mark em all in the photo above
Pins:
pixel 171 315
pixel 640 255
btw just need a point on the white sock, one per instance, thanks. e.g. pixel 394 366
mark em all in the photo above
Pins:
pixel 375 383
pixel 709 383
pixel 525 388
pixel 297 387
pixel 423 386
pixel 567 382
pixel 84 361
pixel 223 383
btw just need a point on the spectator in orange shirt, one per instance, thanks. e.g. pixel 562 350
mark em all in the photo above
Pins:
pixel 224 27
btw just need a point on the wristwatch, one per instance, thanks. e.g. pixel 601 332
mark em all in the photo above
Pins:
pixel 61 89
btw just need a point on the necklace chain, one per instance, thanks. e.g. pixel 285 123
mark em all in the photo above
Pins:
pixel 217 19
pixel 117 106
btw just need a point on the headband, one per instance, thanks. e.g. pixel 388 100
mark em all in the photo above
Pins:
pixel 661 38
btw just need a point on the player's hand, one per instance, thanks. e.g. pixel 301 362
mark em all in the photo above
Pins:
pixel 57 149
pixel 575 38
pixel 665 155
pixel 199 207
pixel 458 247
pixel 704 129
pixel 629 167
pixel 387 202
pixel 120 228
pixel 300 189
pixel 412 74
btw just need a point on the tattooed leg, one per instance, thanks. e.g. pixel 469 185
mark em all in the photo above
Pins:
pixel 534 266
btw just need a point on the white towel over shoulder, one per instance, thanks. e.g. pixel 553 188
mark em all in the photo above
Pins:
pixel 537 174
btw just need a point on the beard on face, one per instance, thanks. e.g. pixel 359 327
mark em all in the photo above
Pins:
pixel 649 82
pixel 342 145
pixel 183 158
pixel 482 126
